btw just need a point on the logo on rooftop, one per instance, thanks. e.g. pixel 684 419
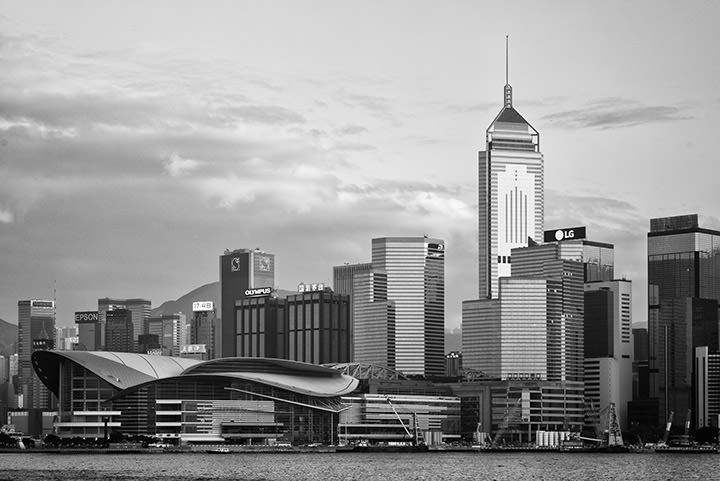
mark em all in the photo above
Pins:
pixel 568 233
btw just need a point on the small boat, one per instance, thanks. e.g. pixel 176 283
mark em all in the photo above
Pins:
pixel 218 451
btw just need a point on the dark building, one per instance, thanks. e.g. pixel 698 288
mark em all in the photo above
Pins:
pixel 240 270
pixel 149 343
pixel 140 310
pixel 453 364
pixel 260 327
pixel 598 335
pixel 119 331
pixel 203 325
pixel 641 386
pixel 310 326
pixel 89 331
pixel 36 329
pixel 683 294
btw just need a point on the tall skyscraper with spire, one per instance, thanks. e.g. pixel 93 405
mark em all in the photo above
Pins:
pixel 510 192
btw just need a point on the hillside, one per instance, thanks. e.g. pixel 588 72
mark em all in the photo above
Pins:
pixel 211 292
pixel 208 292
pixel 8 338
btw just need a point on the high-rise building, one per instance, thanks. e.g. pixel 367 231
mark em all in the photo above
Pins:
pixel 140 310
pixel 240 270
pixel 707 387
pixel 510 193
pixel 169 329
pixel 202 327
pixel 36 330
pixel 373 317
pixel 89 331
pixel 608 346
pixel 119 331
pixel 318 327
pixel 66 338
pixel 641 387
pixel 683 295
pixel 415 270
pixel 310 326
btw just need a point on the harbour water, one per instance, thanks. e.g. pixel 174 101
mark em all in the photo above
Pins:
pixel 359 466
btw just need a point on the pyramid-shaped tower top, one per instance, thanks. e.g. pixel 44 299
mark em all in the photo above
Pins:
pixel 509 123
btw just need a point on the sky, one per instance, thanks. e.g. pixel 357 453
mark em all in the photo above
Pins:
pixel 139 140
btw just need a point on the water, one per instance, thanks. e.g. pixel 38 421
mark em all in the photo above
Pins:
pixel 359 466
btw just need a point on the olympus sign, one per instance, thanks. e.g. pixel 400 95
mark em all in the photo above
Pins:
pixel 258 292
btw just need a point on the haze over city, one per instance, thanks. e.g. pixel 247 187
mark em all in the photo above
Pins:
pixel 138 142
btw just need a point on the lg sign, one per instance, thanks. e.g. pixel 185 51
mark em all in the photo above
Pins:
pixel 569 233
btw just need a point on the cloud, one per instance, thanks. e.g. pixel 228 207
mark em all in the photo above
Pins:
pixel 6 216
pixel 351 129
pixel 177 166
pixel 613 113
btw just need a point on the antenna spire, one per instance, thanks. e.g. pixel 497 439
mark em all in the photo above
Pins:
pixel 508 88
pixel 506 59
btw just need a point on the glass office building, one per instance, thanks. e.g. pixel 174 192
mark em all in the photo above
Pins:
pixel 415 270
pixel 683 295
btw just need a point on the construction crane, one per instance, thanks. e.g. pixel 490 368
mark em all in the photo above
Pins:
pixel 414 417
pixel 614 433
pixel 667 428
pixel 510 413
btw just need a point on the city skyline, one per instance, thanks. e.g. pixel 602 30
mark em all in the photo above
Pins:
pixel 139 142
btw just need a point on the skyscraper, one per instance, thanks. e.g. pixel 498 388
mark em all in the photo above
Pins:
pixel 415 270
pixel 240 269
pixel 36 330
pixel 120 331
pixel 608 346
pixel 683 295
pixel 510 193
pixel 139 309
pixel 203 325
pixel 373 318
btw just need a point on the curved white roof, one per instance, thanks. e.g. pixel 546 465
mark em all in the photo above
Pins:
pixel 125 370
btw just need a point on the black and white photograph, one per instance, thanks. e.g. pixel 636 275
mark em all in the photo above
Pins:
pixel 359 240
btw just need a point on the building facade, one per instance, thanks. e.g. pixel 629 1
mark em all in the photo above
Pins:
pixel 373 318
pixel 311 326
pixel 683 295
pixel 244 401
pixel 415 270
pixel 510 194
pixel 120 331
pixel 170 331
pixel 608 347
pixel 89 331
pixel 240 270
pixel 36 331
pixel 140 310
pixel 203 326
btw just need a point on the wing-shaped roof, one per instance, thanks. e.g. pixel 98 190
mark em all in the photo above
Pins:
pixel 122 370
pixel 126 371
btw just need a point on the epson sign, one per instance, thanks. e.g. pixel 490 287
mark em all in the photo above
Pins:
pixel 86 317
pixel 258 292
pixel 568 233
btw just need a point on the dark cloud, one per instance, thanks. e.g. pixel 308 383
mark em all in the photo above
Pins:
pixel 611 113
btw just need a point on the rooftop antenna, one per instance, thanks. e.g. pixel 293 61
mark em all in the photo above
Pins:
pixel 507 37
pixel 508 88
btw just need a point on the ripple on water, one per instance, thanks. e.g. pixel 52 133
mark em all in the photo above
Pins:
pixel 357 466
